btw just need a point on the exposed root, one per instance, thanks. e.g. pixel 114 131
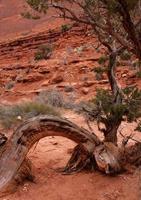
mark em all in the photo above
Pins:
pixel 90 153
pixel 3 139
pixel 26 135
pixel 25 172
pixel 107 157
pixel 79 160
pixel 132 155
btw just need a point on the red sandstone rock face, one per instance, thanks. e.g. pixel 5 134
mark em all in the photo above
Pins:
pixel 65 67
pixel 12 24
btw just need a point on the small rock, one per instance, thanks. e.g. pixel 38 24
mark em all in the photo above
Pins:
pixel 83 69
pixel 44 71
pixel 19 117
pixel 85 91
pixel 88 83
pixel 68 88
pixel 57 79
pixel 25 187
pixel 103 82
pixel 55 143
pixel 45 83
pixel 29 78
pixel 123 75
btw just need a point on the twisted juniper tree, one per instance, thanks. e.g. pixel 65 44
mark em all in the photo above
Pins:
pixel 117 25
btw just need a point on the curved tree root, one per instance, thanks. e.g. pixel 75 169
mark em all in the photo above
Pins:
pixel 80 159
pixel 88 150
pixel 131 155
pixel 26 135
pixel 25 172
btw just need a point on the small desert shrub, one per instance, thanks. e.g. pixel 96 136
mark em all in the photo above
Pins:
pixel 81 106
pixel 138 74
pixel 36 108
pixel 138 128
pixel 102 105
pixel 12 115
pixel 99 72
pixel 43 52
pixel 102 59
pixel 35 17
pixel 9 85
pixel 26 15
pixel 56 99
pixel 51 97
pixel 125 56
pixel 38 5
pixel 65 27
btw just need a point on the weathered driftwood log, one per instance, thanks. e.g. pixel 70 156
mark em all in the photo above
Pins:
pixel 15 150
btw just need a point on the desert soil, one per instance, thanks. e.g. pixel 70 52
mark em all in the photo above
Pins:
pixel 73 59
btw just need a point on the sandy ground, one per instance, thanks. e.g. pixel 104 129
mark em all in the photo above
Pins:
pixel 52 153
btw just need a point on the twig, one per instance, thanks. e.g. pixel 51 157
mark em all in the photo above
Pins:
pixel 36 145
pixel 127 138
pixel 89 126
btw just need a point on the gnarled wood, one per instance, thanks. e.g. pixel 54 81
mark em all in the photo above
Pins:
pixel 30 132
pixel 13 156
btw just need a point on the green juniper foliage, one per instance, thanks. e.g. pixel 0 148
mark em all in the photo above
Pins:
pixel 102 59
pixel 104 105
pixel 65 27
pixel 108 19
pixel 116 23
pixel 38 5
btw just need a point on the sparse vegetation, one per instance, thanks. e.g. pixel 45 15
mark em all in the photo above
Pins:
pixel 56 99
pixel 65 27
pixel 51 97
pixel 125 55
pixel 43 52
pixel 35 17
pixel 138 74
pixel 28 15
pixel 38 5
pixel 9 85
pixel 136 64
pixel 13 115
pixel 102 60
pixel 99 72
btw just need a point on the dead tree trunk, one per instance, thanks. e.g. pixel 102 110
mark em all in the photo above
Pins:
pixel 113 122
pixel 17 147
pixel 110 133
pixel 30 132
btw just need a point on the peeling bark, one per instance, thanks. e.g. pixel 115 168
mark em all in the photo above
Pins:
pixel 28 134
pixel 15 150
